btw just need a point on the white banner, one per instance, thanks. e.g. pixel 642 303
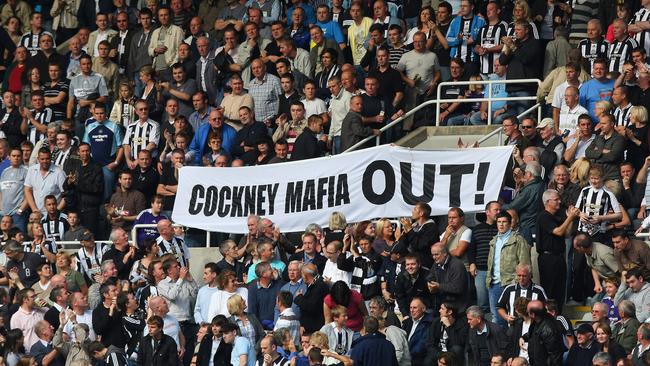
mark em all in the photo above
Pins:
pixel 385 181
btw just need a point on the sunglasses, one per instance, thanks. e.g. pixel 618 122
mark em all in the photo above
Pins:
pixel 527 127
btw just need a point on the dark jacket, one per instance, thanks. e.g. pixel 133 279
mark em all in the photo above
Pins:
pixel 528 203
pixel 109 327
pixel 307 146
pixel 456 339
pixel 311 305
pixel 353 130
pixel 615 351
pixel 453 283
pixel 88 190
pixel 497 342
pixel 39 351
pixel 579 356
pixel 610 160
pixel 405 290
pixel 319 261
pixel 258 329
pixel 165 354
pixel 261 300
pixel 373 349
pixel 221 357
pixel 418 341
pixel 524 63
pixel 545 342
pixel 420 242
pixel 210 76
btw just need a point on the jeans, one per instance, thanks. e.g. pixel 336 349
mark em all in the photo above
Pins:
pixel 459 120
pixel 336 145
pixel 482 295
pixel 476 119
pixel 139 85
pixel 411 22
pixel 519 106
pixel 109 183
pixel 527 233
pixel 20 221
pixel 495 291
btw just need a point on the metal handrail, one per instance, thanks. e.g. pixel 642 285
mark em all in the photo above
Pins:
pixel 489 97
pixel 500 129
pixel 472 100
pixel 134 232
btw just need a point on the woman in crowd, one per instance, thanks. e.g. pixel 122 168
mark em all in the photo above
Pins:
pixel 636 136
pixel 34 82
pixel 607 344
pixel 426 24
pixel 150 92
pixel 73 279
pixel 340 294
pixel 139 272
pixel 385 237
pixel 227 284
pixel 328 58
pixel 249 326
pixel 13 347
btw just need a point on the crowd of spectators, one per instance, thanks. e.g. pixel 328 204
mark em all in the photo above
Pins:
pixel 103 102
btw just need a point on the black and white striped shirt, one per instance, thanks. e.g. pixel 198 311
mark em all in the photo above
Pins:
pixel 591 51
pixel 55 227
pixel 138 135
pixel 52 91
pixel 532 30
pixel 177 247
pixel 619 52
pixel 643 37
pixel 514 291
pixel 49 245
pixel 463 50
pixel 44 117
pixel 31 41
pixel 490 36
pixel 594 202
pixel 90 264
pixel 60 157
pixel 622 115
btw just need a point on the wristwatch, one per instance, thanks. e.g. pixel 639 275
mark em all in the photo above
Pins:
pixel 19 211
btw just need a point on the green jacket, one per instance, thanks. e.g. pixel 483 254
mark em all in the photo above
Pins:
pixel 515 251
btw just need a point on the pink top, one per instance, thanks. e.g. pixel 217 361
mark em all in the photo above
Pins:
pixel 355 317
pixel 26 321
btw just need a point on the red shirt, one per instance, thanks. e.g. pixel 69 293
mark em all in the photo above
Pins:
pixel 15 84
pixel 355 317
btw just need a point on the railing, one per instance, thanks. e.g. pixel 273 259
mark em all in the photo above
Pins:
pixel 499 130
pixel 134 232
pixel 467 100
pixel 489 98
pixel 73 244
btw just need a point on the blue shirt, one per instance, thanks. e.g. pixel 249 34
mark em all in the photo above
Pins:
pixel 276 264
pixel 242 346
pixel 500 242
pixel 310 14
pixel 498 91
pixel 594 91
pixel 104 139
pixel 332 30
pixel 147 217
pixel 293 288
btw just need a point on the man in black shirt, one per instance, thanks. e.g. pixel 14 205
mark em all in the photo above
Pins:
pixel 478 251
pixel 145 176
pixel 121 253
pixel 391 89
pixel 107 315
pixel 552 226
pixel 23 263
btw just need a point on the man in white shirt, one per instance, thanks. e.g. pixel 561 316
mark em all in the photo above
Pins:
pixel 202 305
pixel 570 111
pixel 338 109
pixel 332 273
pixel 559 100
pixel 159 307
